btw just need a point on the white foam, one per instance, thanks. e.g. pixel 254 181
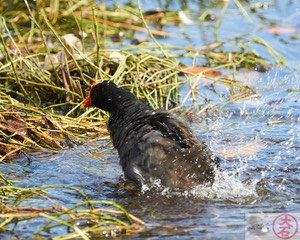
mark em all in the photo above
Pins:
pixel 225 186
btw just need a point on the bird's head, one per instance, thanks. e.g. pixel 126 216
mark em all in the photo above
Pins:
pixel 108 96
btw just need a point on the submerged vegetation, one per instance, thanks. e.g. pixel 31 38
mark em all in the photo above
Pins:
pixel 50 54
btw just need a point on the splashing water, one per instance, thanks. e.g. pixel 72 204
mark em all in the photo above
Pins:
pixel 226 186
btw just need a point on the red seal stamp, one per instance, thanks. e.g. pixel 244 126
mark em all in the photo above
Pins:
pixel 285 226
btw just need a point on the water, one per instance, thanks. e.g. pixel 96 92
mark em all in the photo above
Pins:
pixel 261 178
pixel 257 139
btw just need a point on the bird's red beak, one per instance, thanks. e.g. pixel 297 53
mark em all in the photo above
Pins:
pixel 87 102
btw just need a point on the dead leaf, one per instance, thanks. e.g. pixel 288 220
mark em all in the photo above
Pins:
pixel 72 43
pixel 74 49
pixel 117 57
pixel 242 150
pixel 184 18
pixel 11 127
pixel 51 61
pixel 14 126
pixel 206 71
pixel 280 30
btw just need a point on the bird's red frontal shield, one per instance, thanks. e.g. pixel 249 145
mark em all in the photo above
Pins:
pixel 87 102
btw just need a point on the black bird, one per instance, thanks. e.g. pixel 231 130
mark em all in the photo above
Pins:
pixel 152 144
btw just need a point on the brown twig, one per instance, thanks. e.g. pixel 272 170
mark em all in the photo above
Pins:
pixel 118 213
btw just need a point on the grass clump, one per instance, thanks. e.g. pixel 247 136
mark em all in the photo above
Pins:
pixel 46 70
pixel 85 220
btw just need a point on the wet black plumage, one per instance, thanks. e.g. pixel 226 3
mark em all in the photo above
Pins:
pixel 152 144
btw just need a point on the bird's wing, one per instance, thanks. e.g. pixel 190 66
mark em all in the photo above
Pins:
pixel 173 128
